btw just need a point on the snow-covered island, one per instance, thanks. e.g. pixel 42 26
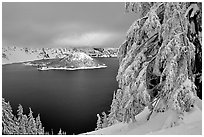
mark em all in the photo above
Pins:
pixel 72 61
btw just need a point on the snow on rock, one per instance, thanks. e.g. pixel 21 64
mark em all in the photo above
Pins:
pixel 81 56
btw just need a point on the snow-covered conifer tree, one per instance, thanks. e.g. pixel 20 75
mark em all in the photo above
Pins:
pixel 60 132
pixel 9 126
pixel 31 124
pixel 40 128
pixel 22 121
pixel 104 120
pixel 160 60
pixel 99 123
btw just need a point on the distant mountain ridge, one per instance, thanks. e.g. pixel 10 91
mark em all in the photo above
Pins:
pixel 17 54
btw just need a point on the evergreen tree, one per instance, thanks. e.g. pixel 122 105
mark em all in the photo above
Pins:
pixel 104 120
pixel 113 111
pixel 64 133
pixel 160 60
pixel 60 132
pixel 31 124
pixel 22 120
pixel 99 123
pixel 23 124
pixel 40 128
pixel 8 124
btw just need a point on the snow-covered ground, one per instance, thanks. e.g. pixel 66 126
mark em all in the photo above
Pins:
pixel 159 124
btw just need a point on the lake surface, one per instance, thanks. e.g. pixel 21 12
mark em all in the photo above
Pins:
pixel 68 100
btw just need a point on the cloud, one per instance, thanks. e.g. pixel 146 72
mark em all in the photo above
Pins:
pixel 86 39
pixel 65 24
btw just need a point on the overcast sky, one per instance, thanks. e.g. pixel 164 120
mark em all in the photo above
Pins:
pixel 65 24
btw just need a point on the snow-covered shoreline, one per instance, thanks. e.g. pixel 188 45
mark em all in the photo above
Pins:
pixel 64 68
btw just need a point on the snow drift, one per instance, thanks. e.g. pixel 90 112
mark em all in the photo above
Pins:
pixel 159 124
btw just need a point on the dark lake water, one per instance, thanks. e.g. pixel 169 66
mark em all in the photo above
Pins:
pixel 68 100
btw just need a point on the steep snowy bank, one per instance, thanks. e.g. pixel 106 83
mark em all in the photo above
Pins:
pixel 159 124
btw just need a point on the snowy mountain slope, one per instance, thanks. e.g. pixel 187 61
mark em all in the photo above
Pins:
pixel 13 54
pixel 159 123
pixel 17 54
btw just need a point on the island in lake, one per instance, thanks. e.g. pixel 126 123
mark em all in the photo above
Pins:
pixel 72 61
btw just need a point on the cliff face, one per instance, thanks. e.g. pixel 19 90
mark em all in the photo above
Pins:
pixel 159 60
